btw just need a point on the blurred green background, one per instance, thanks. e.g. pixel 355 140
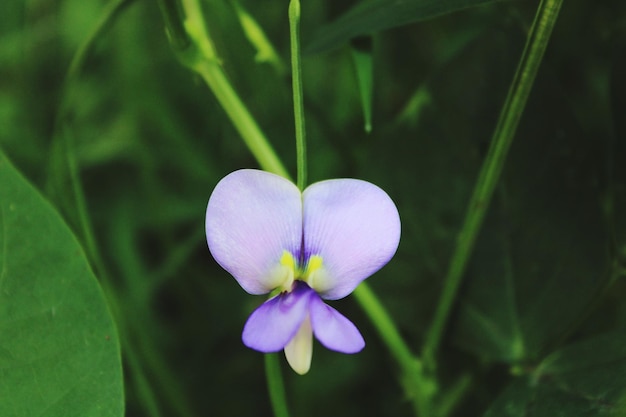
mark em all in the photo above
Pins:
pixel 151 142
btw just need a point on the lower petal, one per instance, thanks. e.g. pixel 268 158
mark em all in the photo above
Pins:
pixel 275 322
pixel 334 330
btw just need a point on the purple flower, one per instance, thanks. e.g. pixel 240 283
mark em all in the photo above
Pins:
pixel 304 246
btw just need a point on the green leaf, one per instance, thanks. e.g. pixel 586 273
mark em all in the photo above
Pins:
pixel 364 66
pixel 377 15
pixel 59 351
pixel 584 379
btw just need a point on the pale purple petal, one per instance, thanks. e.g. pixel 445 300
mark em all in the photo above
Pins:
pixel 354 226
pixel 275 322
pixel 334 330
pixel 252 218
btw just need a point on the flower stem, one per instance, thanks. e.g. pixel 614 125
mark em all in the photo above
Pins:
pixel 296 77
pixel 416 387
pixel 502 138
pixel 275 385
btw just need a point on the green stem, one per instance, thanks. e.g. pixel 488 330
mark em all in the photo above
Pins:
pixel 416 387
pixel 275 385
pixel 502 138
pixel 296 76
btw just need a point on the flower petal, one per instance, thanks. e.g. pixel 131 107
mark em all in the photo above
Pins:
pixel 299 350
pixel 334 330
pixel 251 219
pixel 354 227
pixel 275 322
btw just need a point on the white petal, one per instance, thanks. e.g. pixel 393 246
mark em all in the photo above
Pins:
pixel 299 350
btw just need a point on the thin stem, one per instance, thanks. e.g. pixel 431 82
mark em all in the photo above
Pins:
pixel 275 385
pixel 502 138
pixel 296 76
pixel 416 387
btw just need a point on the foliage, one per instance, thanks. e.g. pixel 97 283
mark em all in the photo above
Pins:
pixel 126 143
pixel 60 353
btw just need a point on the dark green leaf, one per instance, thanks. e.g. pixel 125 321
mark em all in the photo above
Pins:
pixel 59 352
pixel 377 15
pixel 584 379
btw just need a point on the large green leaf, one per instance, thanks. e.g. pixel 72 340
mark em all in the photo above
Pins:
pixel 585 379
pixel 376 15
pixel 59 351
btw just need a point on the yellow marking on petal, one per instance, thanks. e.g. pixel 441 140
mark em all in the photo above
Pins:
pixel 282 275
pixel 315 263
pixel 299 350
pixel 289 264
pixel 315 274
pixel 287 260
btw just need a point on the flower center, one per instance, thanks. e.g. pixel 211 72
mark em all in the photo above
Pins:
pixel 311 271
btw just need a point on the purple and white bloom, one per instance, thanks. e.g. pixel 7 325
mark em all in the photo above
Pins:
pixel 306 247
